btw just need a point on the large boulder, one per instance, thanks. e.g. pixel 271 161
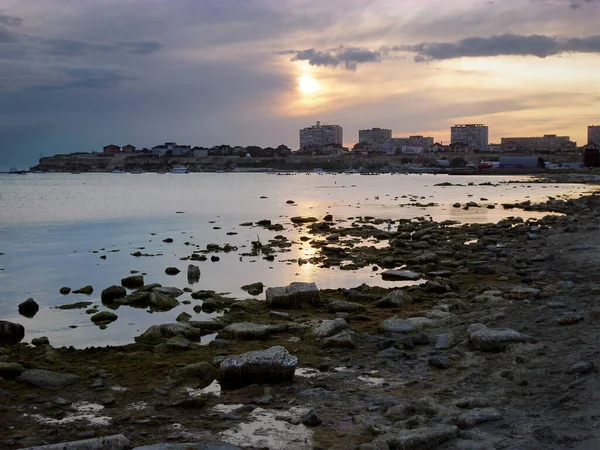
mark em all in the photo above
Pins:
pixel 193 273
pixel 395 299
pixel 139 299
pixel 112 293
pixel 29 308
pixel 132 282
pixel 493 339
pixel 329 328
pixel 46 379
pixel 11 333
pixel 293 295
pixel 10 370
pixel 162 302
pixel 104 317
pixel 400 275
pixel 157 333
pixel 272 365
pixel 171 291
pixel 87 290
pixel 254 288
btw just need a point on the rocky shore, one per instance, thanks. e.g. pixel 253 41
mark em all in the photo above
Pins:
pixel 494 345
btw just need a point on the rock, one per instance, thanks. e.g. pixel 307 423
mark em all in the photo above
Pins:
pixel 29 308
pixel 10 370
pixel 311 419
pixel 248 331
pixel 148 287
pixel 578 368
pixel 187 446
pixel 484 269
pixel 46 379
pixel 444 341
pixel 132 282
pixel 38 342
pixel 494 339
pixel 168 240
pixel 396 325
pixel 328 218
pixel 345 339
pixel 183 317
pixel 293 295
pixel 400 275
pixel 76 305
pixel 215 258
pixel 193 273
pixel 202 373
pixel 162 302
pixel 11 333
pixel 392 353
pixel 343 306
pixel 401 411
pixel 422 438
pixel 114 442
pixel 104 317
pixel 476 416
pixel 272 365
pixel 112 293
pixel 65 290
pixel 395 299
pixel 87 290
pixel 170 291
pixel 254 288
pixel 570 318
pixel 172 270
pixel 329 328
pixel 439 361
pixel 298 219
pixel 156 333
pixel 139 299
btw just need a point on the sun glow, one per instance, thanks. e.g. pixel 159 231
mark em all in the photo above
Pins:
pixel 308 85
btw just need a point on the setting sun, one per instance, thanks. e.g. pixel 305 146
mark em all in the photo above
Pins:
pixel 307 84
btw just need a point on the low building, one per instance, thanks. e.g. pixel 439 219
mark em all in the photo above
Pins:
pixel 412 149
pixel 438 148
pixel 171 149
pixel 594 134
pixel 111 149
pixel 128 149
pixel 413 141
pixel 200 152
pixel 518 162
pixel 546 143
pixel 591 155
pixel 389 148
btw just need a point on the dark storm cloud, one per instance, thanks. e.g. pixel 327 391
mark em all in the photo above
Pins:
pixel 346 57
pixel 502 45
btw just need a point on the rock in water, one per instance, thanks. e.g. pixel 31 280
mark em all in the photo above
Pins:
pixel 172 270
pixel 65 290
pixel 254 288
pixel 132 282
pixel 87 290
pixel 112 293
pixel 11 333
pixel 193 273
pixel 162 302
pixel 400 275
pixel 46 379
pixel 272 365
pixel 29 308
pixel 104 317
pixel 291 296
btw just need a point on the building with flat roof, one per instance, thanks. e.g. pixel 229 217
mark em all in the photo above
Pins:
pixel 594 134
pixel 374 136
pixel 320 135
pixel 474 136
pixel 546 143
pixel 413 141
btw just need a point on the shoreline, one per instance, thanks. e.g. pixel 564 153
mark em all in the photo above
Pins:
pixel 507 278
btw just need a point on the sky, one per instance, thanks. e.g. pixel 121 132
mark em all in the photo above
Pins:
pixel 77 75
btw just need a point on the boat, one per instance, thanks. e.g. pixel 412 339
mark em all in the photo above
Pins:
pixel 180 169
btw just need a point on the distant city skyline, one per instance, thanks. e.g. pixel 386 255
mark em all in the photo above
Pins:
pixel 80 75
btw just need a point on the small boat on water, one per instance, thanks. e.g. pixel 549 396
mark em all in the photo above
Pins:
pixel 180 169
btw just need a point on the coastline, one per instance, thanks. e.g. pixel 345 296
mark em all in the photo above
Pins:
pixel 535 278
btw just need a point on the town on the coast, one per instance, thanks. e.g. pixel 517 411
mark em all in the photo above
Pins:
pixel 322 148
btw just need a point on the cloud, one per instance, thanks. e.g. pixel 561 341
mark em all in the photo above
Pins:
pixel 502 45
pixel 89 78
pixel 347 57
pixel 67 47
pixel 10 21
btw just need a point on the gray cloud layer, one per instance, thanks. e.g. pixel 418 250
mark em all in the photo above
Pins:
pixel 346 57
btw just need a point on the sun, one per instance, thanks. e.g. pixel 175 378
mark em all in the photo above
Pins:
pixel 308 85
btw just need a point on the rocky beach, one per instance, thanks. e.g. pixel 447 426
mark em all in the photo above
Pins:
pixel 488 340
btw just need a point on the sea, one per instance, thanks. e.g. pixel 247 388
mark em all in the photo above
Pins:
pixel 54 228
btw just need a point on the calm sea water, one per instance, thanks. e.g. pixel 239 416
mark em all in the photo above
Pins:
pixel 53 228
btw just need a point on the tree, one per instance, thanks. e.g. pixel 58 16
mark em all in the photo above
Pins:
pixel 458 162
pixel 406 160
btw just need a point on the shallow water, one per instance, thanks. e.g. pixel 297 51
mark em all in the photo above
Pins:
pixel 51 225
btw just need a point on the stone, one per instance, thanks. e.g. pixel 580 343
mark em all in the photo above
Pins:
pixel 139 299
pixel 318 394
pixel 328 218
pixel 157 333
pixel 202 373
pixel 272 365
pixel 570 318
pixel 328 328
pixel 422 438
pixel 299 219
pixel 444 341
pixel 132 282
pixel 311 419
pixel 439 362
pixel 578 368
pixel 46 379
pixel 193 273
pixel 114 442
pixel 254 288
pixel 10 370
pixel 29 308
pixel 183 317
pixel 248 331
pixel 293 295
pixel 87 290
pixel 391 353
pixel 11 333
pixel 400 275
pixel 112 293
pixel 65 290
pixel 395 299
pixel 104 317
pixel 172 270
pixel 345 339
pixel 400 411
pixel 170 291
pixel 476 416
pixel 185 446
pixel 493 339
pixel 396 325
pixel 38 342
pixel 344 306
pixel 162 302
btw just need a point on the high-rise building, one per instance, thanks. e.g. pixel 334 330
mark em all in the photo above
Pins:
pixel 414 141
pixel 320 135
pixel 474 136
pixel 374 136
pixel 594 134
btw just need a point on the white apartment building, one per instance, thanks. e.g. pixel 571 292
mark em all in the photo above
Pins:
pixel 474 136
pixel 413 141
pixel 594 134
pixel 412 149
pixel 374 136
pixel 321 135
